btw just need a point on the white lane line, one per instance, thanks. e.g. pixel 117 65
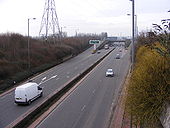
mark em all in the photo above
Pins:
pixel 83 107
pixel 47 79
pixel 44 78
pixel 53 77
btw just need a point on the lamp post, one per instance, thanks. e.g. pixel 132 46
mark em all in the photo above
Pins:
pixel 133 39
pixel 133 31
pixel 136 26
pixel 29 43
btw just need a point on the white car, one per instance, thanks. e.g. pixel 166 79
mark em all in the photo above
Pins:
pixel 106 46
pixel 117 56
pixel 109 72
pixel 98 52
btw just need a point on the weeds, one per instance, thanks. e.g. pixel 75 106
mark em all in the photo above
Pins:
pixel 149 86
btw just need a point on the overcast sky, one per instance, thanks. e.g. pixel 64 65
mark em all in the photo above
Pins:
pixel 83 16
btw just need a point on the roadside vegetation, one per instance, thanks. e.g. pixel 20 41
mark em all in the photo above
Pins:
pixel 148 90
pixel 43 55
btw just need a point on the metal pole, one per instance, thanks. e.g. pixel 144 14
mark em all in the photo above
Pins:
pixel 29 63
pixel 133 33
pixel 28 46
pixel 132 49
pixel 136 27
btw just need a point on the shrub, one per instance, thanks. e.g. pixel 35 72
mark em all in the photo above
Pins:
pixel 149 86
pixel 43 55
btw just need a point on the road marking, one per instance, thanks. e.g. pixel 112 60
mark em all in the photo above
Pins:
pixel 47 79
pixel 70 92
pixel 53 77
pixel 44 78
pixel 83 107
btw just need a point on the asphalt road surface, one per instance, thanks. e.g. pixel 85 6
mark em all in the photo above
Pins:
pixel 89 105
pixel 50 81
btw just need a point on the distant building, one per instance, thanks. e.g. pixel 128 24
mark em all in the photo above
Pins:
pixel 119 44
pixel 111 38
pixel 104 35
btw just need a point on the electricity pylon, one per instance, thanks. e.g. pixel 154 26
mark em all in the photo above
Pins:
pixel 50 24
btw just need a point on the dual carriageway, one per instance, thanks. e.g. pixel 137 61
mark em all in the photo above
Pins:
pixel 89 105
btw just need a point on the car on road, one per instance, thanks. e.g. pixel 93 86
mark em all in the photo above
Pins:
pixel 117 56
pixel 26 93
pixel 98 52
pixel 106 46
pixel 93 51
pixel 109 72
pixel 120 50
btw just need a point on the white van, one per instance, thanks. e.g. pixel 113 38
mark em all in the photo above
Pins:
pixel 28 92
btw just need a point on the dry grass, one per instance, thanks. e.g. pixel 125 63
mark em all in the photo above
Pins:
pixel 14 56
pixel 149 86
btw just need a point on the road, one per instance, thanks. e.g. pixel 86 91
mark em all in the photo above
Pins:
pixel 89 105
pixel 50 81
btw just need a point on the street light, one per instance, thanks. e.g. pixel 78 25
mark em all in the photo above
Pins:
pixel 29 42
pixel 133 33
pixel 136 26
